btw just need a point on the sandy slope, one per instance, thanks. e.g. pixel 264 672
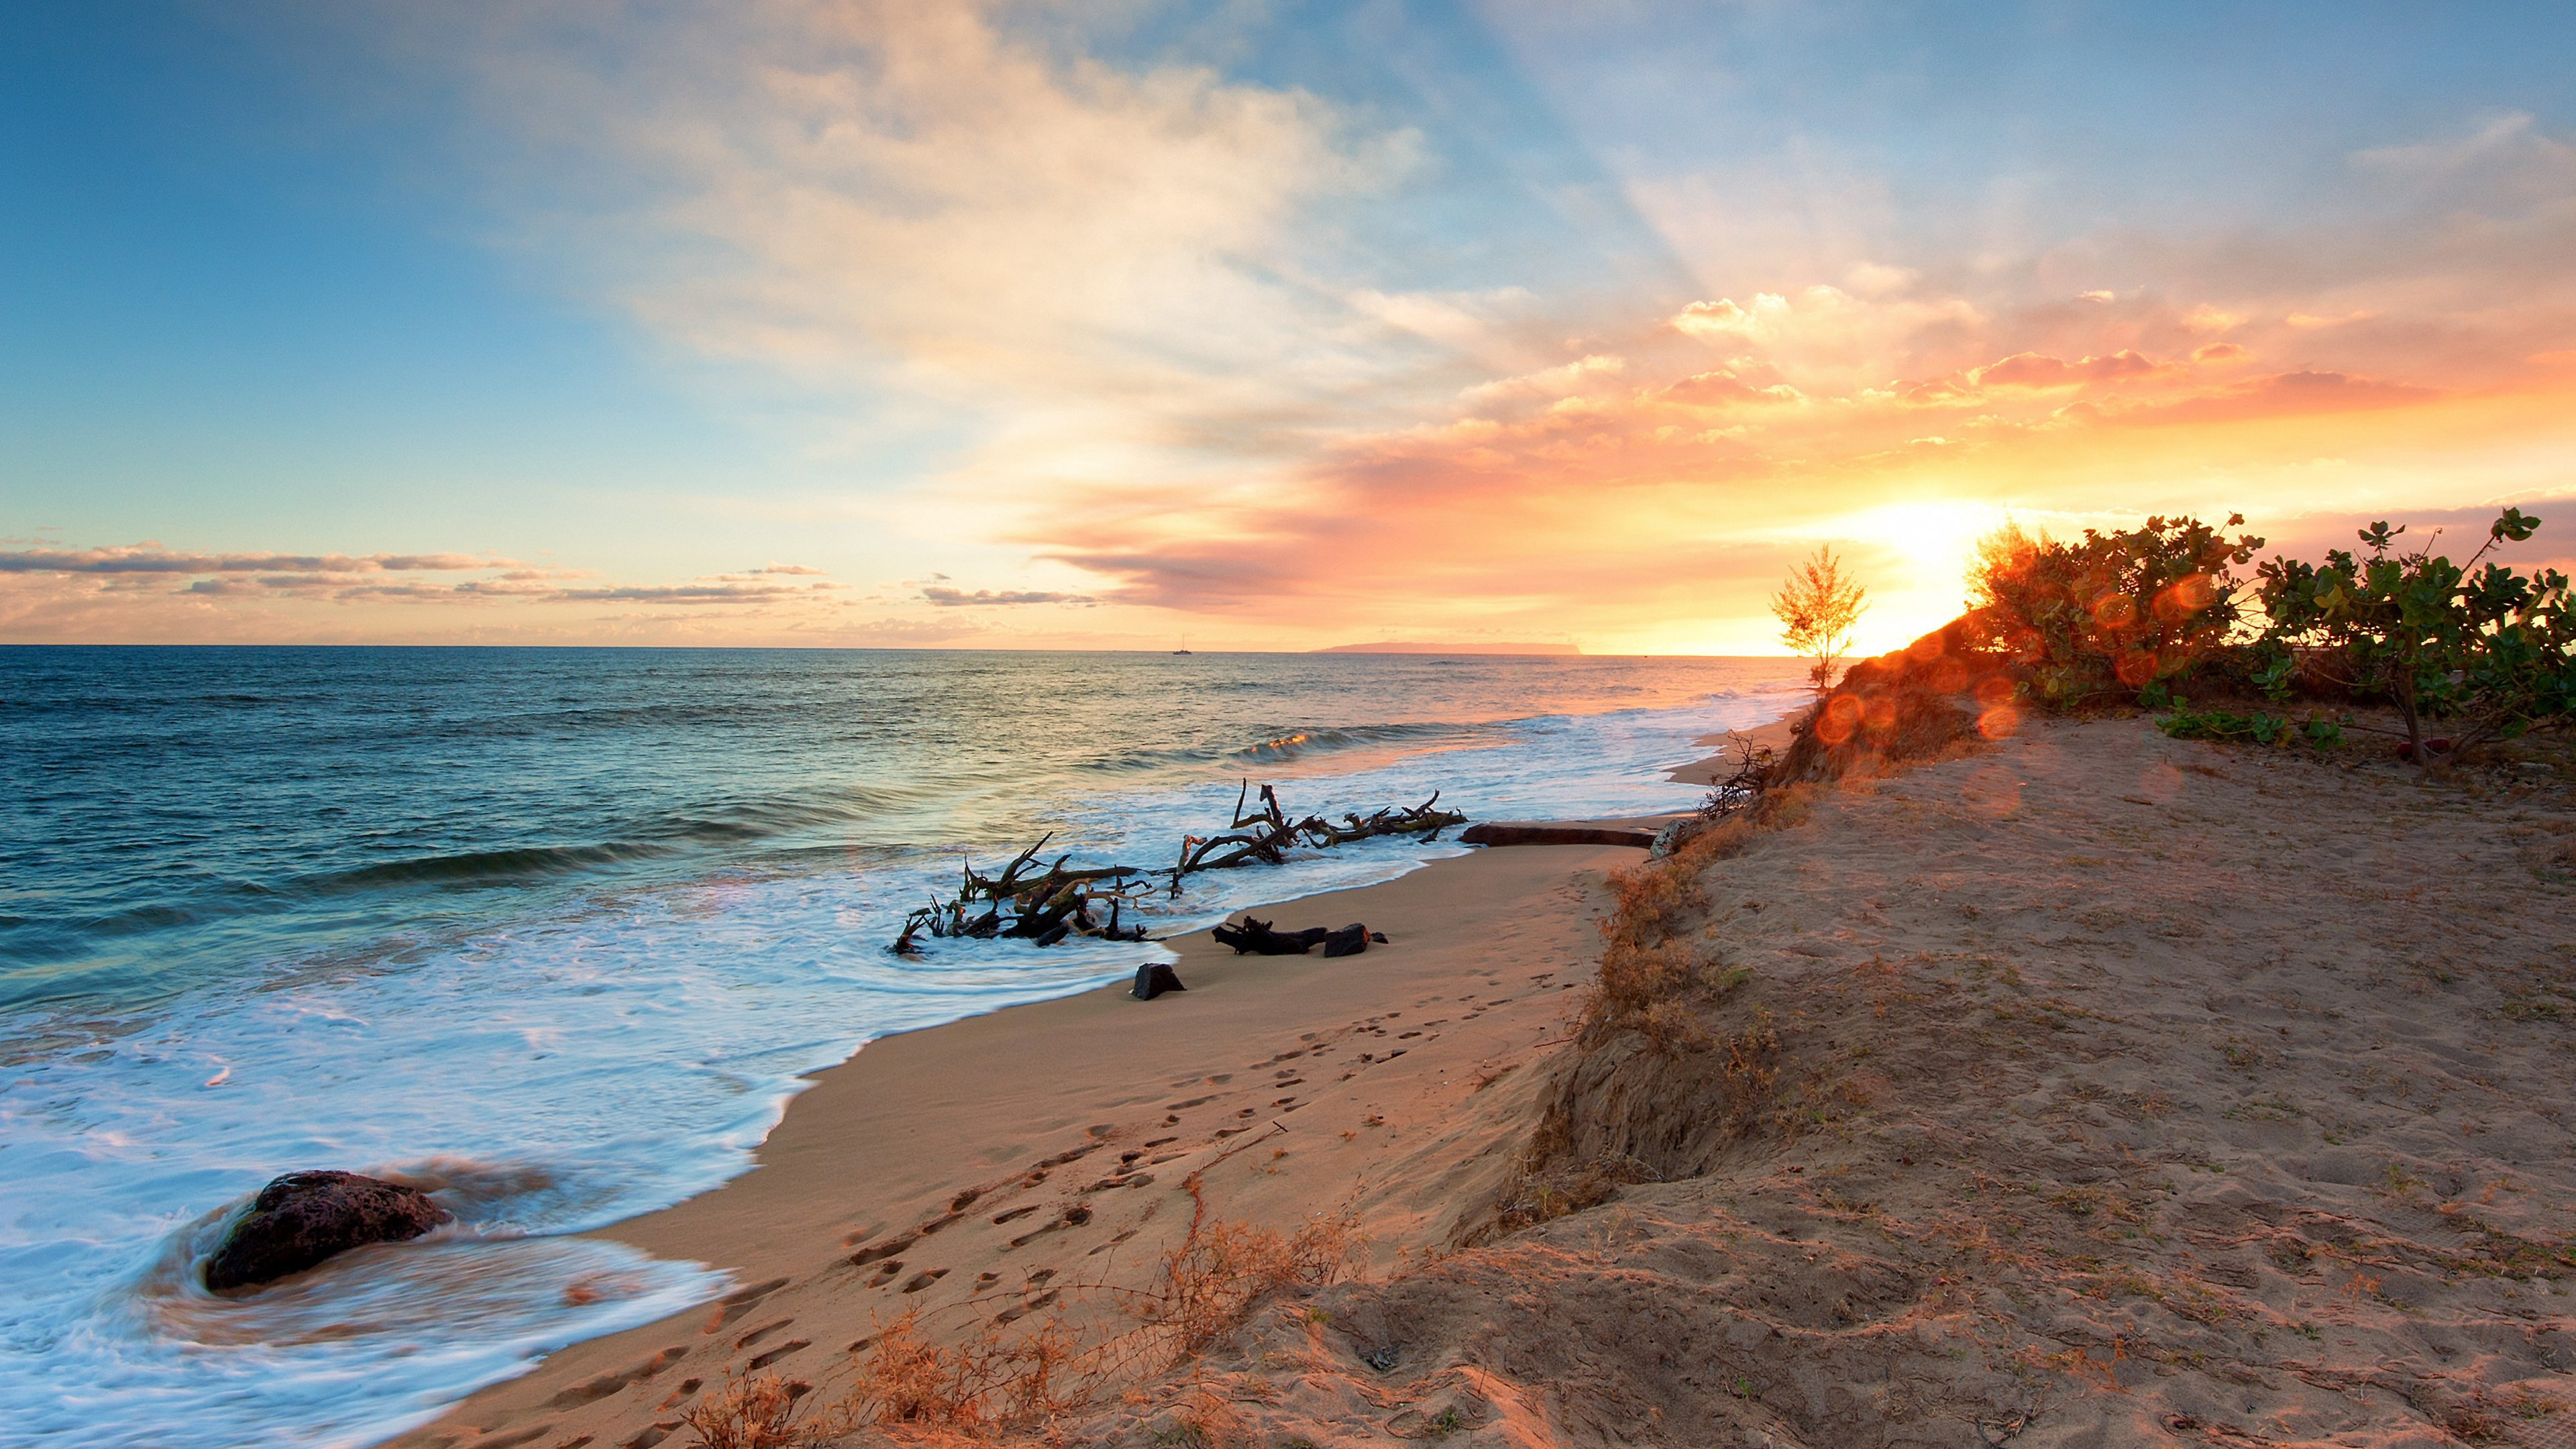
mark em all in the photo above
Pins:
pixel 2125 1091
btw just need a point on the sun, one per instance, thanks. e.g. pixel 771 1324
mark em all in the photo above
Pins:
pixel 1914 558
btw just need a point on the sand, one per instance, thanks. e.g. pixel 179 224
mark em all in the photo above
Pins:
pixel 1298 1084
pixel 2091 1089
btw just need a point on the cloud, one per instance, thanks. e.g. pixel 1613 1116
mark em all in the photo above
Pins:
pixel 953 216
pixel 702 593
pixel 2038 370
pixel 351 578
pixel 2288 394
pixel 959 599
pixel 1714 389
pixel 146 558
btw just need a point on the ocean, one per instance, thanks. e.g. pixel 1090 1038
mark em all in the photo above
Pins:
pixel 559 931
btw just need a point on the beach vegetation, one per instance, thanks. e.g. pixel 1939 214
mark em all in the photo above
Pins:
pixel 2484 653
pixel 757 1413
pixel 2261 727
pixel 2464 654
pixel 1818 607
pixel 1211 1281
pixel 1002 1380
pixel 2113 616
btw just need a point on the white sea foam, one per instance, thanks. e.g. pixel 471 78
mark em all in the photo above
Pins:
pixel 556 1075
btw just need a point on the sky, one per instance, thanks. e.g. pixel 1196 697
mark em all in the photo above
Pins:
pixel 1241 324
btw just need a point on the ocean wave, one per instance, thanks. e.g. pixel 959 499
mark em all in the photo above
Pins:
pixel 481 867
pixel 1294 744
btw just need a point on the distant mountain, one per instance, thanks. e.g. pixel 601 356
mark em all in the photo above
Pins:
pixel 1419 648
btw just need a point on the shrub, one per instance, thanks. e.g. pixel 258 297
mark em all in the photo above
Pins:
pixel 979 1386
pixel 2491 652
pixel 2186 723
pixel 757 1413
pixel 1220 1271
pixel 2115 614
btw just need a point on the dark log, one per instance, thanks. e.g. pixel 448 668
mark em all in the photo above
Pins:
pixel 1257 938
pixel 1153 979
pixel 1492 833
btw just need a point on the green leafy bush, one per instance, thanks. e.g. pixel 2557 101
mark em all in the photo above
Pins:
pixel 2489 653
pixel 2260 728
pixel 2115 613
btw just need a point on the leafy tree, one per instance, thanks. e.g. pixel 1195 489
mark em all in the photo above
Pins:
pixel 2492 652
pixel 1817 608
pixel 2124 614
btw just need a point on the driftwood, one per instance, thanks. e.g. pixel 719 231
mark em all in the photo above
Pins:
pixel 1258 938
pixel 1505 834
pixel 1043 906
pixel 1267 833
pixel 1024 902
pixel 1745 784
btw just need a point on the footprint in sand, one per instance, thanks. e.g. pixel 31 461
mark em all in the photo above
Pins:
pixel 741 1301
pixel 757 1334
pixel 774 1355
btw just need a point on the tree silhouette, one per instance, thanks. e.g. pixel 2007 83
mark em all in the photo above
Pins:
pixel 1817 607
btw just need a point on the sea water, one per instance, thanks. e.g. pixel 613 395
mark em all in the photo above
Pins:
pixel 557 933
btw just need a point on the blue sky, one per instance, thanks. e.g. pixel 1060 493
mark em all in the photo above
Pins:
pixel 1115 309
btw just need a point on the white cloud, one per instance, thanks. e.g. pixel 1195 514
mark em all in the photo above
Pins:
pixel 889 200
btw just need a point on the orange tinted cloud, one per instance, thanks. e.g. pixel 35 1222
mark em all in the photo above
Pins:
pixel 1614 508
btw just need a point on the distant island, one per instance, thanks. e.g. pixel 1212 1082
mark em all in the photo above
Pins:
pixel 1420 648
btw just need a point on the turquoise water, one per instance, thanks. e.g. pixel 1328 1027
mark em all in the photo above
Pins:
pixel 558 931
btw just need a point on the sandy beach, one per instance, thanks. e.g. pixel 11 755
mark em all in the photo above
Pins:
pixel 1387 1082
pixel 2086 1088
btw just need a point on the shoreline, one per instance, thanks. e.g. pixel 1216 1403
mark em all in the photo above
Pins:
pixel 1020 1112
pixel 1709 769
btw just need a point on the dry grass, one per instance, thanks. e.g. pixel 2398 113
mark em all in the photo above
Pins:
pixel 756 1413
pixel 1651 979
pixel 916 1389
pixel 1220 1271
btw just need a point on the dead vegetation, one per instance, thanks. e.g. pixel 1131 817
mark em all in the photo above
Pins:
pixel 1001 1382
pixel 755 1413
pixel 1220 1271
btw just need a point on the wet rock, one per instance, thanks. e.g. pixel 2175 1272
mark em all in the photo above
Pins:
pixel 304 1217
pixel 1351 940
pixel 1154 978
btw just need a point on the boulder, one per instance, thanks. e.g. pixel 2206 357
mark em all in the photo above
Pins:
pixel 304 1217
pixel 1153 979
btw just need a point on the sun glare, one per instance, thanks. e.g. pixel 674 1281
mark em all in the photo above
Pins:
pixel 1914 558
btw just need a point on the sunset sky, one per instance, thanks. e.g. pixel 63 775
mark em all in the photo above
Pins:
pixel 1131 325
